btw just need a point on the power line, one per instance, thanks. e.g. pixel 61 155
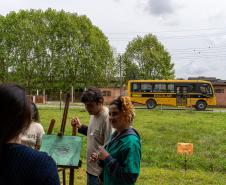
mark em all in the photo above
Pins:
pixel 174 37
pixel 166 31
pixel 191 53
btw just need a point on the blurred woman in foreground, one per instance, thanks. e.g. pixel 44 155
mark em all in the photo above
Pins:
pixel 19 164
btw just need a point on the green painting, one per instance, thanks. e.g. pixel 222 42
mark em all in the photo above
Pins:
pixel 65 150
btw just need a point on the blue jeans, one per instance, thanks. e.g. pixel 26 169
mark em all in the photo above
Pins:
pixel 92 180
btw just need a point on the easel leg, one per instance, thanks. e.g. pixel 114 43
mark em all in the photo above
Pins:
pixel 64 177
pixel 72 173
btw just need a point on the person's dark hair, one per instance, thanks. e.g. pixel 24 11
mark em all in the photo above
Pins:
pixel 15 112
pixel 34 113
pixel 92 94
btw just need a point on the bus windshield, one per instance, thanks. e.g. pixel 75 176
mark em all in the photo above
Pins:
pixel 205 89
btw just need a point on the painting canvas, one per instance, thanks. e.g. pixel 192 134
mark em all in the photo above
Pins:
pixel 65 150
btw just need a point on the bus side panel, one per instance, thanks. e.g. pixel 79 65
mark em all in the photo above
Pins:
pixel 209 101
pixel 137 98
pixel 166 101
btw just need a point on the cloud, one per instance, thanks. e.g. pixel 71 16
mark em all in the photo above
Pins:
pixel 160 7
pixel 217 18
pixel 194 68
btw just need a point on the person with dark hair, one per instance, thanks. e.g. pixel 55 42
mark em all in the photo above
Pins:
pixel 98 131
pixel 19 164
pixel 34 113
pixel 32 137
pixel 121 156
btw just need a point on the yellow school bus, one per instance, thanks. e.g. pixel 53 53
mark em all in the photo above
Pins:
pixel 195 93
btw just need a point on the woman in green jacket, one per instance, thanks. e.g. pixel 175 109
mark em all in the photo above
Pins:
pixel 121 156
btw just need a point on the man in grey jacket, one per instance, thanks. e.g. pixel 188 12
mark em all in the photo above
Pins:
pixel 98 131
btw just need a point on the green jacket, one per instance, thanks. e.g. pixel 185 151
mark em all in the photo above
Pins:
pixel 122 167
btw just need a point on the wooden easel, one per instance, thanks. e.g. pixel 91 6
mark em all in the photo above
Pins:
pixel 60 134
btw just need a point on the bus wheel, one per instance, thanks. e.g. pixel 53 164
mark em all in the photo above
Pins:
pixel 201 105
pixel 151 104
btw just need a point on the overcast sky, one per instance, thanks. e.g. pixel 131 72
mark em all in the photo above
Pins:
pixel 192 31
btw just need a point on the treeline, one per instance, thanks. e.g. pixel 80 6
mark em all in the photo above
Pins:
pixel 55 50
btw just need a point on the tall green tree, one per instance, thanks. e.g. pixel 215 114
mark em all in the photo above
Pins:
pixel 53 50
pixel 3 65
pixel 146 58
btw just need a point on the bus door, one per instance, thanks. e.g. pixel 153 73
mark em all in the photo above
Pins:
pixel 181 95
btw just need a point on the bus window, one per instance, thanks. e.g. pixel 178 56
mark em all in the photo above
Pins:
pixel 185 90
pixel 146 87
pixel 205 89
pixel 161 87
pixel 170 88
pixel 182 90
pixel 191 88
pixel 135 87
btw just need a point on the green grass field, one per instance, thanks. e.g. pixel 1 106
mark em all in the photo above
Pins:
pixel 160 132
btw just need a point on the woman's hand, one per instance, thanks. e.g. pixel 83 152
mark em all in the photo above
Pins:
pixel 102 153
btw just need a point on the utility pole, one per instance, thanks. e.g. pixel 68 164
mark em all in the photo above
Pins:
pixel 120 73
pixel 72 94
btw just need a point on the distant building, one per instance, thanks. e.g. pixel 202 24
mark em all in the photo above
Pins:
pixel 111 93
pixel 219 87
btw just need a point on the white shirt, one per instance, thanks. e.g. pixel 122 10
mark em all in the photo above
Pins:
pixel 33 135
pixel 99 131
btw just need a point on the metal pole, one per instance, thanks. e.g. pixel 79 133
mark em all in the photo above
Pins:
pixel 185 162
pixel 120 71
pixel 44 96
pixel 72 94
pixel 60 98
pixel 190 103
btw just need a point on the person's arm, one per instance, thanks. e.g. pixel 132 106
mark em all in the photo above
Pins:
pixel 129 170
pixel 40 133
pixel 82 129
pixel 118 171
